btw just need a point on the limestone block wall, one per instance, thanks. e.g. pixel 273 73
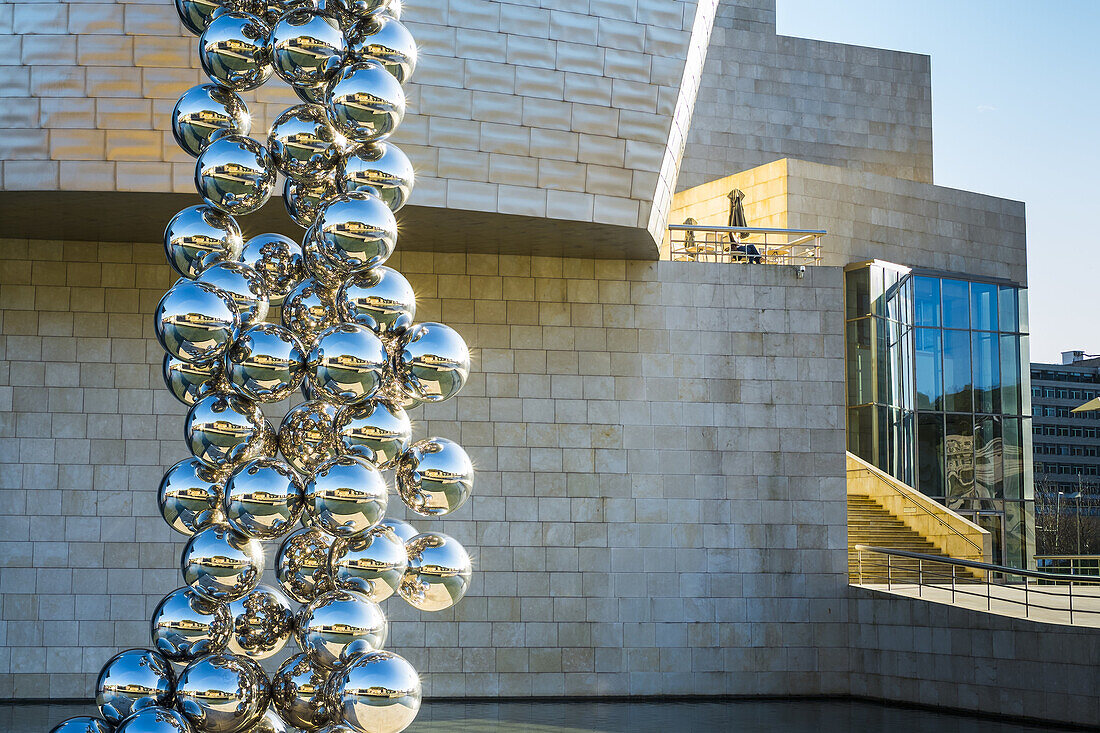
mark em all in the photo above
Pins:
pixel 765 96
pixel 659 506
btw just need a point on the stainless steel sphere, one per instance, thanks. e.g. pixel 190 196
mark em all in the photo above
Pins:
pixel 307 437
pixel 438 574
pixel 195 321
pixel 378 692
pixel 234 51
pixel 307 48
pixel 266 363
pixel 385 40
pixel 187 626
pixel 301 565
pixel 235 174
pixel 197 14
pixel 309 309
pixel 433 363
pixel 271 722
pixel 346 363
pixel 132 680
pixel 298 693
pixel 243 285
pixel 278 260
pixel 380 168
pixel 222 565
pixel 194 233
pixel 304 145
pixel 154 720
pixel 365 102
pixel 356 230
pixel 303 199
pixel 263 620
pixel 380 298
pixel 372 563
pixel 222 693
pixel 263 499
pixel 223 430
pixel 82 724
pixel 338 625
pixel 207 111
pixel 190 496
pixel 400 527
pixel 189 382
pixel 434 477
pixel 375 430
pixel 346 495
pixel 330 272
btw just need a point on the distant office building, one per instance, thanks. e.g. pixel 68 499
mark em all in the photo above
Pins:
pixel 1067 444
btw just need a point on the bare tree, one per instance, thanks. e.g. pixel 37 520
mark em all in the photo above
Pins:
pixel 1067 522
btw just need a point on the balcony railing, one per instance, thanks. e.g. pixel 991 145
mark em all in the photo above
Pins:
pixel 750 245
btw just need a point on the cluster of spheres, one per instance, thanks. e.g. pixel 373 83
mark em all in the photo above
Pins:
pixel 267 320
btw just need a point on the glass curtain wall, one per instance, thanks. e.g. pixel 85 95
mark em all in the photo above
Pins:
pixel 938 394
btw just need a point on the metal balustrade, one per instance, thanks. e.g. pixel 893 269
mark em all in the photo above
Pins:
pixel 701 243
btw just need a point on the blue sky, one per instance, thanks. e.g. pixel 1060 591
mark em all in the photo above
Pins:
pixel 1016 113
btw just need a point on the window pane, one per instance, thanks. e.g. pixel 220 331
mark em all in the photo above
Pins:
pixel 857 298
pixel 1024 323
pixel 861 370
pixel 1012 459
pixel 1009 309
pixel 929 366
pixel 1025 376
pixel 956 304
pixel 1010 375
pixel 1027 464
pixel 987 458
pixel 861 433
pixel 900 448
pixel 930 454
pixel 983 306
pixel 987 368
pixel 926 301
pixel 956 371
pixel 959 454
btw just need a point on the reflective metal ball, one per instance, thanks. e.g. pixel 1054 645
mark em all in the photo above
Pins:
pixel 222 693
pixel 235 174
pixel 307 437
pixel 338 625
pixel 380 168
pixel 263 499
pixel 372 563
pixel 304 144
pixel 271 722
pixel 207 111
pixel 375 430
pixel 190 496
pixel 263 620
pixel 197 231
pixel 362 8
pixel 131 680
pixel 385 40
pixel 434 477
pixel 243 285
pixel 82 724
pixel 223 430
pixel 187 626
pixel 266 363
pixel 377 692
pixel 346 495
pixel 154 720
pixel 301 565
pixel 400 527
pixel 365 102
pixel 307 48
pixel 278 260
pixel 433 363
pixel 304 199
pixel 381 298
pixel 298 693
pixel 438 574
pixel 195 14
pixel 190 382
pixel 234 51
pixel 222 565
pixel 356 230
pixel 331 273
pixel 309 309
pixel 195 321
pixel 346 363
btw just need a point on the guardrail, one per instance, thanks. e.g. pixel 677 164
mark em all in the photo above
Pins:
pixel 751 245
pixel 931 576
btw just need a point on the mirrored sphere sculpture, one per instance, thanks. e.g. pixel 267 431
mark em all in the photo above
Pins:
pixel 338 625
pixel 278 260
pixel 234 51
pixel 207 111
pixel 298 693
pixel 243 285
pixel 266 363
pixel 222 693
pixel 271 722
pixel 372 563
pixel 222 565
pixel 346 495
pixel 304 144
pixel 374 430
pixel 195 233
pixel 307 48
pixel 154 720
pixel 385 40
pixel 196 14
pixel 380 298
pixel 235 174
pixel 131 680
pixel 362 8
pixel 346 363
pixel 356 229
pixel 195 321
pixel 438 574
pixel 301 565
pixel 378 692
pixel 307 437
pixel 303 199
pixel 190 496
pixel 365 102
pixel 82 724
pixel 379 168
pixel 189 382
pixel 263 499
pixel 187 626
pixel 433 363
pixel 309 309
pixel 401 528
pixel 435 477
pixel 223 430
pixel 262 621
pixel 329 272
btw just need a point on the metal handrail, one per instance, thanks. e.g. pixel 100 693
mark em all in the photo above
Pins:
pixel 716 244
pixel 749 230
pixel 924 509
pixel 1003 569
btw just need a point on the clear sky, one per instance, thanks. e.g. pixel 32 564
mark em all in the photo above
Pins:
pixel 1016 113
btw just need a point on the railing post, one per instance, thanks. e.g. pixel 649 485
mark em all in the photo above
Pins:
pixel 988 593
pixel 920 578
pixel 859 562
pixel 1027 608
pixel 1071 602
pixel 889 573
pixel 953 583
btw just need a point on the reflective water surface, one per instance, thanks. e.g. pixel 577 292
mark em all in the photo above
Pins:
pixel 742 716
